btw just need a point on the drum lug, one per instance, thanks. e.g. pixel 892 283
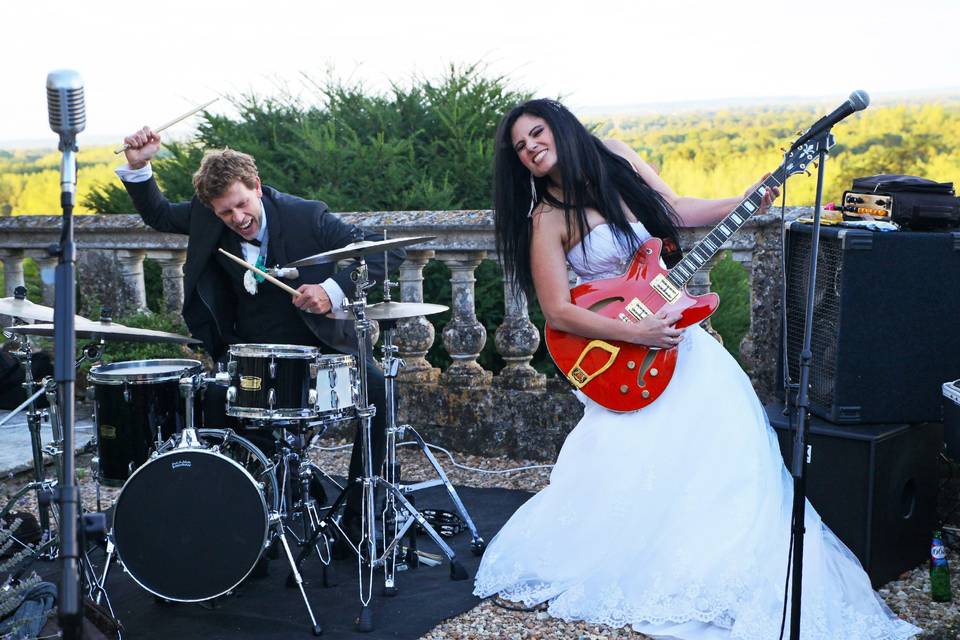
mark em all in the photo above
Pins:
pixel 126 393
pixel 231 394
pixel 314 368
pixel 332 376
pixel 272 397
pixel 334 399
pixel 312 397
pixel 273 368
pixel 232 368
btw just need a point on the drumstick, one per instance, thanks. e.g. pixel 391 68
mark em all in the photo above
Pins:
pixel 267 276
pixel 172 122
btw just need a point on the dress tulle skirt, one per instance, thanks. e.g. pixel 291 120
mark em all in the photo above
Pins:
pixel 675 519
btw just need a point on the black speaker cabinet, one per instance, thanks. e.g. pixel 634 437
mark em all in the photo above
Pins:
pixel 886 322
pixel 875 486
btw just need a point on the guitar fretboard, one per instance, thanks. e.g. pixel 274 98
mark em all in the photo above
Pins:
pixel 711 243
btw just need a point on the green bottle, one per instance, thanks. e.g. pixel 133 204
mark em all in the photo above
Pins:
pixel 939 570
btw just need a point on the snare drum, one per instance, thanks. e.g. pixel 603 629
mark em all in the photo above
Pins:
pixel 190 524
pixel 137 407
pixel 336 387
pixel 272 381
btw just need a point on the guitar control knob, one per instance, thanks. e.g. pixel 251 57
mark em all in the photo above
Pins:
pixel 631 365
pixel 623 389
pixel 645 394
pixel 654 372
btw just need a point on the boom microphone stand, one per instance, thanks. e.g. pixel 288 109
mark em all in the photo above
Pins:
pixel 799 414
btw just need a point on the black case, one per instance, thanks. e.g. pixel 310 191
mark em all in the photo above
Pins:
pixel 918 203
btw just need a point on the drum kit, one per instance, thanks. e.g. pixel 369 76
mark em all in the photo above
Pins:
pixel 199 507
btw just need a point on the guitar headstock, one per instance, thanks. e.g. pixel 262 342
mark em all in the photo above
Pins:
pixel 797 160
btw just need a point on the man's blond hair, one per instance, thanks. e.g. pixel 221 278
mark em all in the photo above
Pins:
pixel 220 169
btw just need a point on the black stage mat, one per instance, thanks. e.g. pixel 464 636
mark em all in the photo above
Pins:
pixel 265 608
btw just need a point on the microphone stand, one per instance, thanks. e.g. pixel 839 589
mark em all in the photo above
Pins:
pixel 800 417
pixel 70 606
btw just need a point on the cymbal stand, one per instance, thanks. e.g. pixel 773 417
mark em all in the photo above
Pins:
pixel 367 546
pixel 391 369
pixel 44 487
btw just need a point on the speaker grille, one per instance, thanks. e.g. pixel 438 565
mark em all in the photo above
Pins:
pixel 826 312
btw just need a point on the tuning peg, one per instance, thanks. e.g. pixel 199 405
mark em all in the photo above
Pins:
pixel 809 175
pixel 816 165
pixel 782 150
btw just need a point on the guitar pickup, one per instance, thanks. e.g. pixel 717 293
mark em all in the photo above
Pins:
pixel 665 288
pixel 637 309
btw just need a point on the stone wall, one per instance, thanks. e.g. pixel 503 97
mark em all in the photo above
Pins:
pixel 518 412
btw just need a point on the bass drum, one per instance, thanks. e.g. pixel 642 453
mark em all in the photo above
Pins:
pixel 190 524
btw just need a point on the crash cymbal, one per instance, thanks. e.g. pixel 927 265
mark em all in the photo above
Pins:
pixel 357 249
pixel 84 328
pixel 391 311
pixel 26 310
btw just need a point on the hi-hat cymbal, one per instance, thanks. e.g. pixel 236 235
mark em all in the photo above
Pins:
pixel 84 328
pixel 391 311
pixel 26 310
pixel 358 249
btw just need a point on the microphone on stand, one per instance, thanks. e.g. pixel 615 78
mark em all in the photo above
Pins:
pixel 67 118
pixel 858 101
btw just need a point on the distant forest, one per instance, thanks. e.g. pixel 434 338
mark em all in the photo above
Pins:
pixel 704 154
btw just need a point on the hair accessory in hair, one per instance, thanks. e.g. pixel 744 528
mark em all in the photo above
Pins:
pixel 533 196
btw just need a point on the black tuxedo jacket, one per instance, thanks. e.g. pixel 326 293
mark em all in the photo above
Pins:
pixel 297 228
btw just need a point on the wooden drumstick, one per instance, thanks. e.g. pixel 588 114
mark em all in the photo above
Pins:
pixel 267 276
pixel 172 122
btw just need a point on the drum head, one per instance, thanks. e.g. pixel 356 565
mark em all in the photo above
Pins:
pixel 190 525
pixel 143 371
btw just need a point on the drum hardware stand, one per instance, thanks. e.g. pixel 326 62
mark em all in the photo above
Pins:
pixel 366 548
pixel 296 466
pixel 188 386
pixel 47 548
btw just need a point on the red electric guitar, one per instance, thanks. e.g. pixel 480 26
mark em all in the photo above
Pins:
pixel 622 376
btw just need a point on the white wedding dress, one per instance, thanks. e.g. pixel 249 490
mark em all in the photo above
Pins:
pixel 675 519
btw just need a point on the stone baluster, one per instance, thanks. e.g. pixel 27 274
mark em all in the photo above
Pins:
pixel 134 294
pixel 171 264
pixel 12 270
pixel 47 265
pixel 414 336
pixel 464 336
pixel 12 276
pixel 700 284
pixel 517 340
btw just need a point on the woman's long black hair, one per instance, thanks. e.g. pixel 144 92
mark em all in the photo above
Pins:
pixel 592 176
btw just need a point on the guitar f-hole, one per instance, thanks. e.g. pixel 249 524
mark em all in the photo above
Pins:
pixel 645 367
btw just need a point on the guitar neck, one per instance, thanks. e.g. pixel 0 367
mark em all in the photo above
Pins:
pixel 711 243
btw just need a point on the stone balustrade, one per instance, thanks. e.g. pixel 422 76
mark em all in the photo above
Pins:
pixel 517 412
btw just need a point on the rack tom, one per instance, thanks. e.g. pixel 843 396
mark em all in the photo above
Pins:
pixel 272 382
pixel 137 407
pixel 336 387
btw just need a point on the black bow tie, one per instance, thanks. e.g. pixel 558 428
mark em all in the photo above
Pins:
pixel 254 242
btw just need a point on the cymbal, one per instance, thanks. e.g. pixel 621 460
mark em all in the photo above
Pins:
pixel 84 328
pixel 26 310
pixel 357 249
pixel 391 311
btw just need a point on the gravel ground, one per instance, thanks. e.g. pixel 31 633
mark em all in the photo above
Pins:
pixel 907 596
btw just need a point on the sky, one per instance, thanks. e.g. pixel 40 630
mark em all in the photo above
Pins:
pixel 148 62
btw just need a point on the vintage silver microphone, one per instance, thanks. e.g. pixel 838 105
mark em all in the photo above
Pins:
pixel 68 117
